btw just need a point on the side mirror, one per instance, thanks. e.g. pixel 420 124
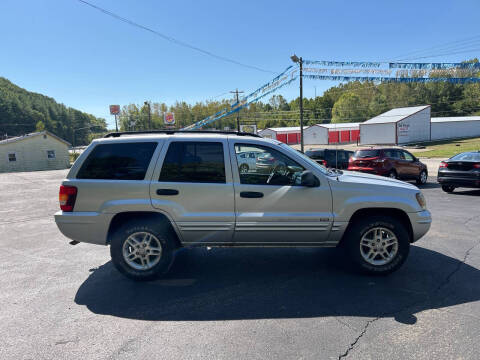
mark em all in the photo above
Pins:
pixel 309 180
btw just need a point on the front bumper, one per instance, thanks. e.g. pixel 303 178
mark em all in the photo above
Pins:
pixel 89 227
pixel 421 222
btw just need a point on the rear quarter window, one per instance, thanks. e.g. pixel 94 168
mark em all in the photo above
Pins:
pixel 119 161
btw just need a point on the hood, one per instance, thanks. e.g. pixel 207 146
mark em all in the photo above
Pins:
pixel 369 179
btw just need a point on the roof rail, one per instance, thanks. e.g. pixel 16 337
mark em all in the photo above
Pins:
pixel 173 132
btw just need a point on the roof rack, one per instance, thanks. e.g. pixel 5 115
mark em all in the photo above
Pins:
pixel 173 132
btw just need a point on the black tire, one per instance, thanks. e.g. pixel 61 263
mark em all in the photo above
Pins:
pixel 360 227
pixel 393 174
pixel 162 232
pixel 422 180
pixel 244 168
pixel 448 188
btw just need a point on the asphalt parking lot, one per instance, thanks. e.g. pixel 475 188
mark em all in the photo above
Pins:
pixel 68 302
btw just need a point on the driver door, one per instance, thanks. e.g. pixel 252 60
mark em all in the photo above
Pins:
pixel 271 207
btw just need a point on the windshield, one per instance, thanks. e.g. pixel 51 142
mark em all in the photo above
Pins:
pixel 322 168
pixel 366 153
pixel 468 156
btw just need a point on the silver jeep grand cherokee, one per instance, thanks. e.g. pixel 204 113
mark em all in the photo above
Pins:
pixel 148 194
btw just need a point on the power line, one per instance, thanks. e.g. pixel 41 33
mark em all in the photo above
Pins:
pixel 173 40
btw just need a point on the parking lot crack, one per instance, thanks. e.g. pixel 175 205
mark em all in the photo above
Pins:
pixel 357 339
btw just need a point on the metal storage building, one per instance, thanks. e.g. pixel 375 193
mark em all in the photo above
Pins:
pixel 455 127
pixel 397 126
pixel 322 134
pixel 288 135
pixel 36 151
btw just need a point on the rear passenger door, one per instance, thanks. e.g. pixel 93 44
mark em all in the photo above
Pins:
pixel 192 183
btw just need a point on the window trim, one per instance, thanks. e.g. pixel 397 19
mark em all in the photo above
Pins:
pixel 8 156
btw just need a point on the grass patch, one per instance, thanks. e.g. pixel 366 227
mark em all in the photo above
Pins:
pixel 447 148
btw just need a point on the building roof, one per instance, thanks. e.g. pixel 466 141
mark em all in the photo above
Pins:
pixel 456 118
pixel 31 135
pixel 285 129
pixel 340 125
pixel 396 115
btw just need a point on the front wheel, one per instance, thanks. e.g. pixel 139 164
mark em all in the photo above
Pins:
pixel 143 249
pixel 378 245
pixel 422 178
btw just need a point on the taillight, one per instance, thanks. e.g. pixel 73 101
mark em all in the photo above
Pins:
pixel 443 164
pixel 66 197
pixel 476 166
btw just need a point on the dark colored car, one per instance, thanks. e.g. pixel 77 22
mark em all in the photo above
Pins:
pixel 461 170
pixel 331 158
pixel 391 162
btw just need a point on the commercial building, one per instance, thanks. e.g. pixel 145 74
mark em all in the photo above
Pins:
pixel 36 151
pixel 455 127
pixel 323 134
pixel 288 135
pixel 397 126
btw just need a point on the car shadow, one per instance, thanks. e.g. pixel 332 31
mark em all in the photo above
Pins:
pixel 249 283
pixel 460 191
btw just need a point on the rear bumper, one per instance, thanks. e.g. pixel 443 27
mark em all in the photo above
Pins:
pixel 473 181
pixel 89 227
pixel 421 222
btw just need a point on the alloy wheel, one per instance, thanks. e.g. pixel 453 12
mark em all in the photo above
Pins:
pixel 378 246
pixel 142 250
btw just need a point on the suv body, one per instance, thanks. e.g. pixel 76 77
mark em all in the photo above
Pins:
pixel 185 189
pixel 391 162
pixel 331 158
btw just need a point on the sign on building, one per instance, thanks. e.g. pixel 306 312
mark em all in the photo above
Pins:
pixel 114 109
pixel 251 129
pixel 169 118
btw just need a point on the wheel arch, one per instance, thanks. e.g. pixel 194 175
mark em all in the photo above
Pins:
pixel 392 212
pixel 123 217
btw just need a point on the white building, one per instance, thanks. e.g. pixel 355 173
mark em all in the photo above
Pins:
pixel 322 134
pixel 288 135
pixel 36 151
pixel 397 126
pixel 455 127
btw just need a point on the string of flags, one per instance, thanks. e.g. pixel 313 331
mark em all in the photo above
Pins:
pixel 345 71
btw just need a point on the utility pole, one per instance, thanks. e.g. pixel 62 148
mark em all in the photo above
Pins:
pixel 299 61
pixel 149 115
pixel 236 92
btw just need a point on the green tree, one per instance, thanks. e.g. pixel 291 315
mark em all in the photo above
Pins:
pixel 349 108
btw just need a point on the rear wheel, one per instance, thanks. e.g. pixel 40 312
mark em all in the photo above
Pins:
pixel 377 245
pixel 143 249
pixel 448 188
pixel 422 178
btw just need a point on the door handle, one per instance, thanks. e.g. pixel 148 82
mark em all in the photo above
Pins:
pixel 167 192
pixel 251 194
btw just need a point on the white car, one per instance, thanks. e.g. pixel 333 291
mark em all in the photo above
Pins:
pixel 247 160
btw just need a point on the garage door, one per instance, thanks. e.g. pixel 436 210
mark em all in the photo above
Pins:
pixel 333 137
pixel 282 138
pixel 345 136
pixel 292 138
pixel 355 135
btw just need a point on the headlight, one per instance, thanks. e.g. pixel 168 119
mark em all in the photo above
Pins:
pixel 421 200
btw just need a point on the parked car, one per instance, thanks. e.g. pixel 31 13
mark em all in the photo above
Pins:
pixel 332 158
pixel 461 170
pixel 391 162
pixel 147 196
pixel 248 160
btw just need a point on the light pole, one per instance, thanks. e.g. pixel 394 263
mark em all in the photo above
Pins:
pixel 149 115
pixel 299 61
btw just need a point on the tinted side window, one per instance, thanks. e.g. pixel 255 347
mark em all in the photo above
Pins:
pixel 194 162
pixel 120 161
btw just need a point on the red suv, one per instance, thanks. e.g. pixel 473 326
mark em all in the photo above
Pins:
pixel 394 163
